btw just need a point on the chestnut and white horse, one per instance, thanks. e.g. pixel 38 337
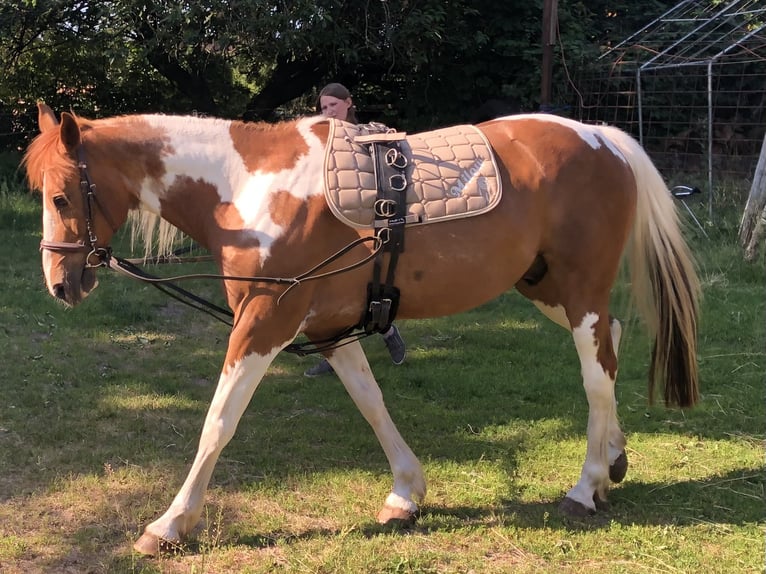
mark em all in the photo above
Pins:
pixel 575 199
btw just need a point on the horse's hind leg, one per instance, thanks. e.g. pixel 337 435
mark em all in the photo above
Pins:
pixel 598 361
pixel 354 371
pixel 618 460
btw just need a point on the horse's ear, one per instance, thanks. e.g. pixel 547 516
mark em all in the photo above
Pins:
pixel 70 131
pixel 46 119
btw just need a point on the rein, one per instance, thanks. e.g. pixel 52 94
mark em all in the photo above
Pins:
pixel 165 284
pixel 129 268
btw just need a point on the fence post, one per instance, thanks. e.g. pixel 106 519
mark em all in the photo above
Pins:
pixel 753 225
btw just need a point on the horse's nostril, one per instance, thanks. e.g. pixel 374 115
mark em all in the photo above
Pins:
pixel 59 292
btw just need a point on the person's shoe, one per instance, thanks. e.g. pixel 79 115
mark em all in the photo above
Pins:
pixel 321 368
pixel 395 346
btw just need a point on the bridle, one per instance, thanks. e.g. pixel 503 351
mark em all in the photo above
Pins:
pixel 90 243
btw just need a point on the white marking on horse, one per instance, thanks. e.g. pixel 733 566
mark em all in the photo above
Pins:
pixel 352 367
pixel 210 156
pixel 590 134
pixel 236 386
pixel 558 315
pixel 49 224
pixel 395 501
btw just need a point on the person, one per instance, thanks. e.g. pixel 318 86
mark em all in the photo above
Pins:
pixel 335 101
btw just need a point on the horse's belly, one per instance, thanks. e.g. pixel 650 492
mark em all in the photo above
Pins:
pixel 448 268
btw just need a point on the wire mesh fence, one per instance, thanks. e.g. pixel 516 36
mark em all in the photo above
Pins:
pixel 691 85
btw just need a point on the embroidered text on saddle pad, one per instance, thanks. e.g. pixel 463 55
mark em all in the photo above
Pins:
pixel 451 173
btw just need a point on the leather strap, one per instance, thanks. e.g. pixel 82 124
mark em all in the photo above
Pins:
pixel 390 218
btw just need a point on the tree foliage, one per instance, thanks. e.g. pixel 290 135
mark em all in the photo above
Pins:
pixel 414 64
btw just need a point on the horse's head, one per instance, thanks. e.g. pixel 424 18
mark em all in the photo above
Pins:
pixel 77 224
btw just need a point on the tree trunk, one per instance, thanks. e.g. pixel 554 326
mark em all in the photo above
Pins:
pixel 290 79
pixel 753 226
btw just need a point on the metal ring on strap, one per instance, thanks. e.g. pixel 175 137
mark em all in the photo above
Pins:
pixel 395 158
pixel 397 182
pixel 385 208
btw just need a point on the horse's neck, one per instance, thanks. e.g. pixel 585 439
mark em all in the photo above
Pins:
pixel 177 152
pixel 239 168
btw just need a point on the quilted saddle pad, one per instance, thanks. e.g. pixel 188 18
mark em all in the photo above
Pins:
pixel 451 173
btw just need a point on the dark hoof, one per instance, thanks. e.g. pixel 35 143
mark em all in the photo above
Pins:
pixel 601 505
pixel 619 468
pixel 392 516
pixel 571 507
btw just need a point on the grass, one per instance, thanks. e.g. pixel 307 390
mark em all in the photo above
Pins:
pixel 102 406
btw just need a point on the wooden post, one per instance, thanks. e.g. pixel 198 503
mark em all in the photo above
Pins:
pixel 550 18
pixel 752 228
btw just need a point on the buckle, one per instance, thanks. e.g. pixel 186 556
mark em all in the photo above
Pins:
pixel 102 253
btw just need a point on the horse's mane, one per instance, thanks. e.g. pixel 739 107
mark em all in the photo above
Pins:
pixel 157 237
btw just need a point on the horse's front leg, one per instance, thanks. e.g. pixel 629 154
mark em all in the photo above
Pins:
pixel 236 386
pixel 596 341
pixel 350 363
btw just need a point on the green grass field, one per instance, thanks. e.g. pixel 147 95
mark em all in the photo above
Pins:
pixel 102 406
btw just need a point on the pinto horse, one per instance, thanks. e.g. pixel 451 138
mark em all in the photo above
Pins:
pixel 576 198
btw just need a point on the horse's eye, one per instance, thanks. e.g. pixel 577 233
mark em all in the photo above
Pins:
pixel 60 201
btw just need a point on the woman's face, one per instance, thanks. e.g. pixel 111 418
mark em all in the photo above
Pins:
pixel 333 107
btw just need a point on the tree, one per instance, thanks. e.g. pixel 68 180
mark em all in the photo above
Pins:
pixel 412 64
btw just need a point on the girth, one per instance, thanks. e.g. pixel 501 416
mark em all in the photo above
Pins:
pixel 390 210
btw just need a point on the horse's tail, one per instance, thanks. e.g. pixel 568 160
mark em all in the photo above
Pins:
pixel 664 281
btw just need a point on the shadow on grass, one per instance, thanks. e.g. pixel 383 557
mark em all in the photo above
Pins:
pixel 693 501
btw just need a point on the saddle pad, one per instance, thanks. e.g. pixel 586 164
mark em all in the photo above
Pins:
pixel 451 173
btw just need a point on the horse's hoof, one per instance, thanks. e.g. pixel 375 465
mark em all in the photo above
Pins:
pixel 601 504
pixel 393 515
pixel 571 507
pixel 619 468
pixel 151 545
pixel 148 544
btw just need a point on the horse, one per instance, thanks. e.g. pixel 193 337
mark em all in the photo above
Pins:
pixel 578 201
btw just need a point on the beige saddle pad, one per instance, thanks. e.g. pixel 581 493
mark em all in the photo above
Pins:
pixel 451 173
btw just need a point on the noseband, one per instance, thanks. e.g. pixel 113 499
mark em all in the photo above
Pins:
pixel 90 243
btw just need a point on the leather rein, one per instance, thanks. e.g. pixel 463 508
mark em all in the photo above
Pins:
pixel 128 267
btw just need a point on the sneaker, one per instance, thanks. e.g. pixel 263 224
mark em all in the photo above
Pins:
pixel 321 368
pixel 395 346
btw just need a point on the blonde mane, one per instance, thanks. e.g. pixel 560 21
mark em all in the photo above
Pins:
pixel 42 157
pixel 148 231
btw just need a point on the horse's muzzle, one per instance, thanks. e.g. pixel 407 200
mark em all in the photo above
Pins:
pixel 72 290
